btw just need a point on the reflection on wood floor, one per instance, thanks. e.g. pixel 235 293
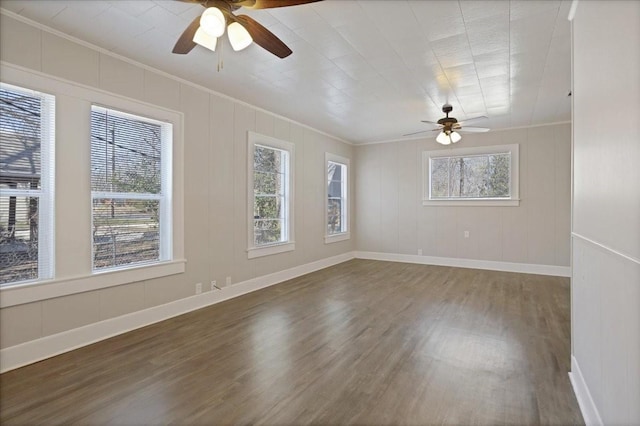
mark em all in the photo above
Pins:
pixel 363 342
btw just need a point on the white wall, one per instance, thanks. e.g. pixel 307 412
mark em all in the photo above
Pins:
pixel 606 210
pixel 215 184
pixel 391 217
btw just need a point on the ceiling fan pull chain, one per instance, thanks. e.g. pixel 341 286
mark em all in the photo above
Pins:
pixel 220 59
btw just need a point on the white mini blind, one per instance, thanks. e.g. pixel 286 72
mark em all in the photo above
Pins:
pixel 27 136
pixel 131 189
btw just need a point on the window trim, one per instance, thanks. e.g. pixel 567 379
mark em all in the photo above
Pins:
pixel 34 291
pixel 46 193
pixel 254 251
pixel 164 198
pixel 345 235
pixel 80 279
pixel 512 201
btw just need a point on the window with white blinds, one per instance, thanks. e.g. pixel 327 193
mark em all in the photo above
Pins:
pixel 271 181
pixel 130 189
pixel 336 202
pixel 27 135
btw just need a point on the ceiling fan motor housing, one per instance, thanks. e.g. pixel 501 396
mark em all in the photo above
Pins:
pixel 447 122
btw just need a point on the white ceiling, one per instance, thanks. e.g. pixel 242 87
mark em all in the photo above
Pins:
pixel 365 70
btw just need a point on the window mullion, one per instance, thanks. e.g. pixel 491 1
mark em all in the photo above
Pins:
pixel 125 195
pixel 9 192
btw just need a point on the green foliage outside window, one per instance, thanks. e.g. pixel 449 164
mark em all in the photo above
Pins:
pixel 268 189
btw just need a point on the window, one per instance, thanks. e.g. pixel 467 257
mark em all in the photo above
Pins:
pixel 270 195
pixel 27 134
pixel 31 206
pixel 130 189
pixel 472 176
pixel 337 207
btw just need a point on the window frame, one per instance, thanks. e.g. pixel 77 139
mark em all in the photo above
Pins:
pixel 346 234
pixel 254 251
pixel 512 201
pixel 164 198
pixel 46 193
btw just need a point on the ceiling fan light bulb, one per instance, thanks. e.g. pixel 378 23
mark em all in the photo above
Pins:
pixel 443 139
pixel 212 22
pixel 239 37
pixel 455 137
pixel 204 39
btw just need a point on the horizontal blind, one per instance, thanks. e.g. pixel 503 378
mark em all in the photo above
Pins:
pixel 129 189
pixel 27 132
pixel 125 153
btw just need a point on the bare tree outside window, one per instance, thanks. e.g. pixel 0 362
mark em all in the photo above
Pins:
pixel 471 176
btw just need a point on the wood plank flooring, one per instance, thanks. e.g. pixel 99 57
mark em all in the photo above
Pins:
pixel 363 342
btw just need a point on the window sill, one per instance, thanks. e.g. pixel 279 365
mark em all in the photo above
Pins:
pixel 34 291
pixel 254 252
pixel 473 203
pixel 334 238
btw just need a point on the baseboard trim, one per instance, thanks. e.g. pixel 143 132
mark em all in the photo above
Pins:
pixel 587 406
pixel 46 347
pixel 525 268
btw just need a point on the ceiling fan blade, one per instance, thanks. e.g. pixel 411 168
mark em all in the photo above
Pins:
pixel 473 129
pixel 429 122
pixel 263 37
pixel 185 43
pixel 416 133
pixel 475 118
pixel 269 4
pixel 439 129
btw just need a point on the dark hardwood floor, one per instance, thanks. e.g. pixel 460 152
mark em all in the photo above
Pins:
pixel 363 342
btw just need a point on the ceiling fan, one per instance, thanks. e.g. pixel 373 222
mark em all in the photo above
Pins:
pixel 449 127
pixel 242 29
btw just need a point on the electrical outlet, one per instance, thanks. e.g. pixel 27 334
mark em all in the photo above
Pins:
pixel 214 286
pixel 466 234
pixel 419 252
pixel 228 281
pixel 198 288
